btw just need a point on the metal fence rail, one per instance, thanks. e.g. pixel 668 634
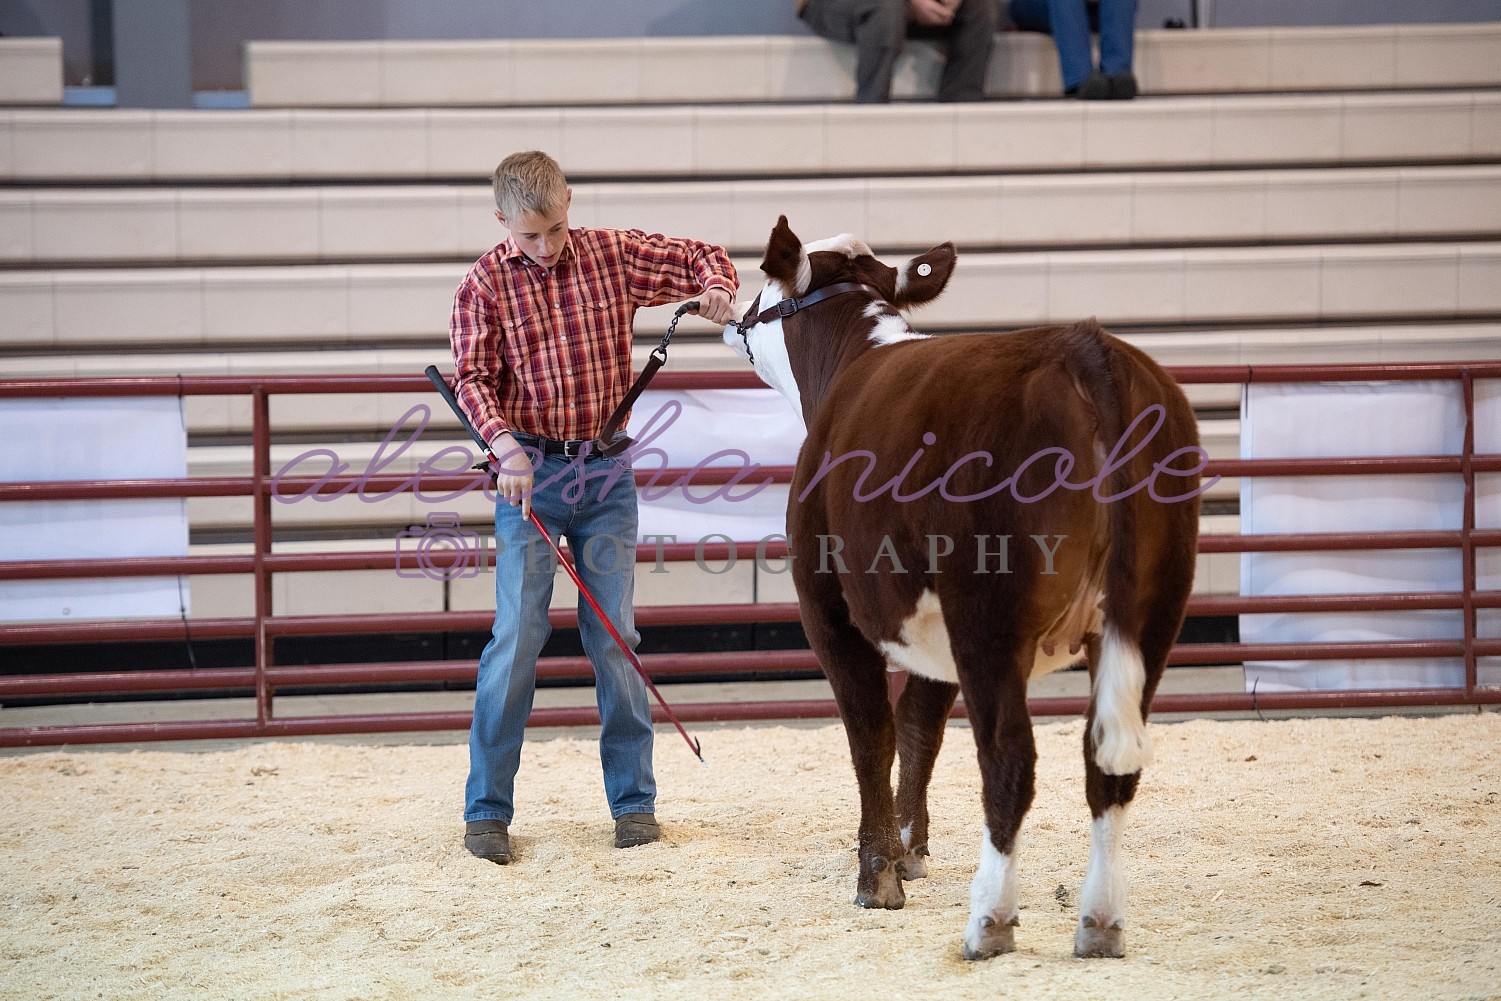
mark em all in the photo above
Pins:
pixel 264 627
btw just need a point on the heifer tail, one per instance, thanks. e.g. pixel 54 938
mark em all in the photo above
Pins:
pixel 1104 376
pixel 1121 690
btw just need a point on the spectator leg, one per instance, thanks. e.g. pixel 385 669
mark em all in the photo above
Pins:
pixel 877 29
pixel 970 39
pixel 1117 35
pixel 880 30
pixel 1068 20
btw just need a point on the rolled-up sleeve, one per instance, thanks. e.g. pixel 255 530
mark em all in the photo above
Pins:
pixel 666 269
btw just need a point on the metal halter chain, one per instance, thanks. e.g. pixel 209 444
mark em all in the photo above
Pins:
pixel 608 444
pixel 744 329
pixel 787 307
pixel 661 349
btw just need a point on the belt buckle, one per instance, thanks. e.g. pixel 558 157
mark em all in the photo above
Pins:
pixel 571 448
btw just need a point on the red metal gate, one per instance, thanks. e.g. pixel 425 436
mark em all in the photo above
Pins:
pixel 266 677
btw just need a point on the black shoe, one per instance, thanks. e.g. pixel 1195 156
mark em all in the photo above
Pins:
pixel 1096 87
pixel 1123 86
pixel 489 840
pixel 635 829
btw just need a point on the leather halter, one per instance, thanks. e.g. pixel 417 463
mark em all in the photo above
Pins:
pixel 787 307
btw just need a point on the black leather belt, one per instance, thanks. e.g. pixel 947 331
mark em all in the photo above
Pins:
pixel 568 448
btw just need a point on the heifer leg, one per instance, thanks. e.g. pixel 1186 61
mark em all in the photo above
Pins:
pixel 1102 902
pixel 996 698
pixel 921 714
pixel 1116 748
pixel 857 673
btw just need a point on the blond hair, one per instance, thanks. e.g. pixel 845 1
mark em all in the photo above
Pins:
pixel 529 182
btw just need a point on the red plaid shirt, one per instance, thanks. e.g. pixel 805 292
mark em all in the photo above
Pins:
pixel 548 351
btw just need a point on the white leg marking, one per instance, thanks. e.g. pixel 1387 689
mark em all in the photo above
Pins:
pixel 993 894
pixel 1122 744
pixel 922 647
pixel 1104 894
pixel 917 865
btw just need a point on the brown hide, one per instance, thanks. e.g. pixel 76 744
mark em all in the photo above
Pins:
pixel 916 449
pixel 1007 396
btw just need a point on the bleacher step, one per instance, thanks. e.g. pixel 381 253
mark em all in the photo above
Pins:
pixel 332 223
pixel 767 140
pixel 731 68
pixel 363 305
pixel 31 71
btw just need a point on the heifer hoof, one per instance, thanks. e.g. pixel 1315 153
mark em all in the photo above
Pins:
pixel 881 886
pixel 915 864
pixel 1099 939
pixel 988 937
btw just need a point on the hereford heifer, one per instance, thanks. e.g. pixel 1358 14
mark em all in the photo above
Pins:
pixel 977 511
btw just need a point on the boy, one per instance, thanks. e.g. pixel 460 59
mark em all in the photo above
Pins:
pixel 541 333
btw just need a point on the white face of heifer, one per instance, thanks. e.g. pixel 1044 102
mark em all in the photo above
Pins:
pixel 793 270
pixel 1010 440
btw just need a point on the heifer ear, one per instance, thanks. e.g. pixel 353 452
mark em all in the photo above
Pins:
pixel 923 278
pixel 784 255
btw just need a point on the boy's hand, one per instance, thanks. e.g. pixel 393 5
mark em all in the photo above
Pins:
pixel 715 306
pixel 513 481
pixel 933 13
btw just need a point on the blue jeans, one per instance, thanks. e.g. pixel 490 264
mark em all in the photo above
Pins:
pixel 1070 22
pixel 601 532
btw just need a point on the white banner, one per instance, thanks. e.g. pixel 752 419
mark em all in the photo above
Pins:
pixel 741 429
pixel 1356 419
pixel 92 439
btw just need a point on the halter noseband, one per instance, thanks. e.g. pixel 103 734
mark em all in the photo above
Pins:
pixel 787 307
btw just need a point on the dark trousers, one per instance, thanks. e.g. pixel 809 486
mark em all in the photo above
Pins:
pixel 879 28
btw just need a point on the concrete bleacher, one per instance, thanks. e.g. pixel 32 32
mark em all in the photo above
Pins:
pixel 1236 224
pixel 764 140
pixel 429 73
pixel 31 71
pixel 355 304
pixel 312 223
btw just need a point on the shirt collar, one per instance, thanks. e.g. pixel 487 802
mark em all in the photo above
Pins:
pixel 508 251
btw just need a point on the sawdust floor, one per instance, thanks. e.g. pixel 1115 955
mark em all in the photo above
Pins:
pixel 1337 858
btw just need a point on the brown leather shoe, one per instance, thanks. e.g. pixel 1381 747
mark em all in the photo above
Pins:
pixel 489 840
pixel 634 829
